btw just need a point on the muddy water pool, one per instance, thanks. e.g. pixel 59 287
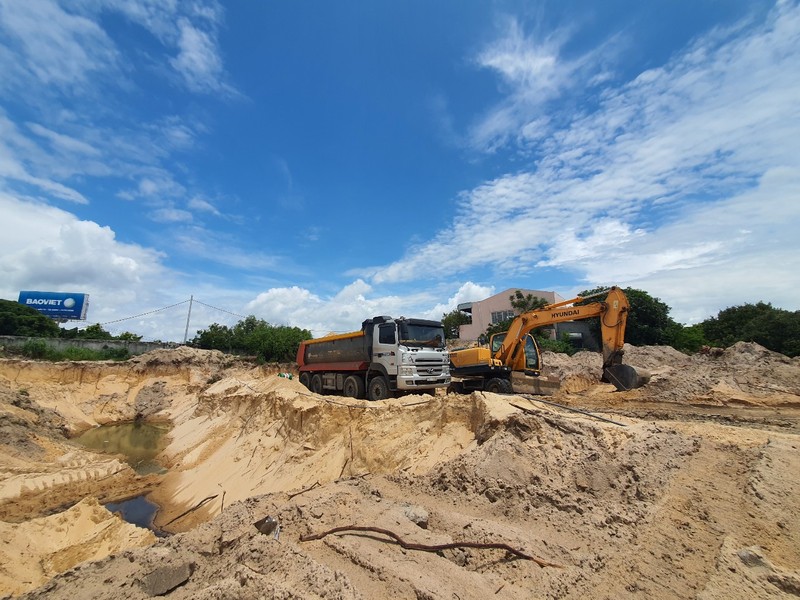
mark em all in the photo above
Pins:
pixel 139 444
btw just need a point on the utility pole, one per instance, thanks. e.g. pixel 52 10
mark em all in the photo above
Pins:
pixel 189 316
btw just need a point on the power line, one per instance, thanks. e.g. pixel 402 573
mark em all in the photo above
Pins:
pixel 157 310
pixel 220 309
pixel 145 313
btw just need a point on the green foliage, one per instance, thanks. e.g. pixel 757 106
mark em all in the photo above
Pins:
pixel 91 332
pixel 451 322
pixel 253 336
pixel 774 328
pixel 216 337
pixel 561 346
pixel 523 303
pixel 686 339
pixel 96 332
pixel 39 350
pixel 75 353
pixel 520 303
pixel 35 349
pixel 21 320
pixel 648 324
pixel 498 327
pixel 129 337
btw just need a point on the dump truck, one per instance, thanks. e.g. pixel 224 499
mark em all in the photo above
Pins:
pixel 386 358
pixel 512 363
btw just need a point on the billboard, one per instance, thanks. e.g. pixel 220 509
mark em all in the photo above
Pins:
pixel 57 305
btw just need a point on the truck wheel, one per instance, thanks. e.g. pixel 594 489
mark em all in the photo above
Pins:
pixel 498 386
pixel 316 383
pixel 378 388
pixel 353 387
pixel 455 387
pixel 305 379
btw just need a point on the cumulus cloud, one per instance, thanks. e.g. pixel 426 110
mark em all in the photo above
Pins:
pixel 59 251
pixel 345 310
pixel 468 292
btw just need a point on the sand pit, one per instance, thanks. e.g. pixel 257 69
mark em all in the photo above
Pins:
pixel 687 489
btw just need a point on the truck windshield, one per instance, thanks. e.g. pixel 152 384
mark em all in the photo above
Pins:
pixel 421 335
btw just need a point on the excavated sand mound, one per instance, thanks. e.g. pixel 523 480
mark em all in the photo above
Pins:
pixel 687 489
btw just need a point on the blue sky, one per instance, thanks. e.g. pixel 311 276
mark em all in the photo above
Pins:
pixel 317 163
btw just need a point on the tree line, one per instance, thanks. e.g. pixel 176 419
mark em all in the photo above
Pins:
pixel 21 320
pixel 250 336
pixel 650 324
pixel 254 337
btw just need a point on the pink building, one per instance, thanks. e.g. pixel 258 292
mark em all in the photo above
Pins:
pixel 495 309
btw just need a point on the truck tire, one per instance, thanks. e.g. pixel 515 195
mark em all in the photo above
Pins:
pixel 455 387
pixel 316 383
pixel 353 387
pixel 378 388
pixel 498 386
pixel 305 379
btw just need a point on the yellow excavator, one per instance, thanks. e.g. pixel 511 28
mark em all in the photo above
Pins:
pixel 512 362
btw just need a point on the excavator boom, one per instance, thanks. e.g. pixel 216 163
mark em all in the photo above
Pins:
pixel 514 355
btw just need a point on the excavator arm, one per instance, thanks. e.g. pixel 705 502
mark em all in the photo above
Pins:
pixel 507 350
pixel 613 314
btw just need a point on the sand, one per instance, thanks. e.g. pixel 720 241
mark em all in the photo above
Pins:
pixel 686 489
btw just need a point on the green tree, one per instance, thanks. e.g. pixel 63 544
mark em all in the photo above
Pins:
pixel 254 337
pixel 687 338
pixel 129 337
pixel 774 328
pixel 18 319
pixel 216 337
pixel 648 323
pixel 94 332
pixel 451 322
pixel 521 303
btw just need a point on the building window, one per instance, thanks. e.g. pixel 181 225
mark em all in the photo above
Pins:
pixel 502 315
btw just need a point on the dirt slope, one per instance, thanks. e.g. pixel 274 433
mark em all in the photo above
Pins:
pixel 691 491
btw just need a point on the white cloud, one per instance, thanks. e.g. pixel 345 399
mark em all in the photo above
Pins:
pixel 655 185
pixel 345 310
pixel 19 156
pixel 202 205
pixel 63 143
pixel 468 292
pixel 54 46
pixel 171 215
pixel 198 60
pixel 533 73
pixel 49 249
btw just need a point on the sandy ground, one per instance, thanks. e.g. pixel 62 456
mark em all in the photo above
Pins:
pixel 687 488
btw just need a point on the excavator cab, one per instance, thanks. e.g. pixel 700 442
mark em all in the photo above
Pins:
pixel 496 341
pixel 531 357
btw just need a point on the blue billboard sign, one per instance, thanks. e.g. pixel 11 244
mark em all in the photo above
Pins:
pixel 57 305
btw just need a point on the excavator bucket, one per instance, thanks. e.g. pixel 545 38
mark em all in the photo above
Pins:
pixel 625 377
